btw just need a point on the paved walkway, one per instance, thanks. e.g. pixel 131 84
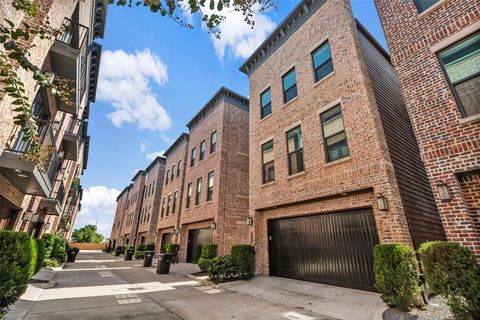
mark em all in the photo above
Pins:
pixel 99 286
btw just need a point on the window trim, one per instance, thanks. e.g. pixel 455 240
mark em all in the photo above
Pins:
pixel 198 193
pixel 173 173
pixel 451 85
pixel 419 9
pixel 264 164
pixel 164 201
pixel 210 187
pixel 313 62
pixel 213 146
pixel 193 156
pixel 283 85
pixel 179 164
pixel 174 201
pixel 169 199
pixel 327 157
pixel 201 154
pixel 167 176
pixel 262 116
pixel 294 152
pixel 189 196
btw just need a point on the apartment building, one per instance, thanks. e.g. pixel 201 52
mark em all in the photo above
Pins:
pixel 168 223
pixel 152 192
pixel 334 165
pixel 45 197
pixel 215 204
pixel 436 58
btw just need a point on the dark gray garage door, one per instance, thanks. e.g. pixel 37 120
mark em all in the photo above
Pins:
pixel 335 248
pixel 196 239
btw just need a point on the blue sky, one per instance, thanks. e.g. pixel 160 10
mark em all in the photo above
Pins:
pixel 154 76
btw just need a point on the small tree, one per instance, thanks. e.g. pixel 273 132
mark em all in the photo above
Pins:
pixel 87 234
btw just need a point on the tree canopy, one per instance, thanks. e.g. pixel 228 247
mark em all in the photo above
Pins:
pixel 87 234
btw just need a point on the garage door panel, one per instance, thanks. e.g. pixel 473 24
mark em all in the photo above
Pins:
pixel 332 248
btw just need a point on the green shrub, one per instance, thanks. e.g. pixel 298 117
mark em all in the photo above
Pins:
pixel 172 248
pixel 50 263
pixel 18 258
pixel 221 268
pixel 139 254
pixel 150 247
pixel 49 240
pixel 141 247
pixel 59 250
pixel 40 254
pixel 209 251
pixel 243 256
pixel 395 268
pixel 452 271
pixel 204 264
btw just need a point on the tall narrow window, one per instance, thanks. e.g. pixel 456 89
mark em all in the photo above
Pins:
pixel 268 164
pixel 179 165
pixel 168 204
pixel 199 191
pixel 461 64
pixel 173 172
pixel 266 102
pixel 213 142
pixel 289 85
pixel 295 151
pixel 211 175
pixel 163 207
pixel 322 61
pixel 192 157
pixel 174 203
pixel 423 5
pixel 202 150
pixel 189 196
pixel 334 134
pixel 166 176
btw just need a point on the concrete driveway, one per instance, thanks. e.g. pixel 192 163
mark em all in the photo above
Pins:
pixel 99 286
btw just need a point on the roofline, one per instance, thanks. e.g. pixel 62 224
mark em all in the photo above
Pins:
pixel 372 39
pixel 222 92
pixel 137 174
pixel 183 136
pixel 158 159
pixel 123 191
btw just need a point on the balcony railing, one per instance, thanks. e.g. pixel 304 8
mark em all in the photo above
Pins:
pixel 74 34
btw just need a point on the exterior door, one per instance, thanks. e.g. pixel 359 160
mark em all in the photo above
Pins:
pixel 196 239
pixel 335 248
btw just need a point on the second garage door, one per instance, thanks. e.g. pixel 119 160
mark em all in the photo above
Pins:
pixel 335 248
pixel 196 239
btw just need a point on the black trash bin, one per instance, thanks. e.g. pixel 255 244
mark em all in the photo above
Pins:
pixel 148 258
pixel 128 254
pixel 72 254
pixel 163 266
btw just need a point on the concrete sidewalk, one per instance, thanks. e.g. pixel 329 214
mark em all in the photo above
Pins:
pixel 336 302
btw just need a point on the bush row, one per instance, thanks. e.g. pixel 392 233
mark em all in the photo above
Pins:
pixel 239 264
pixel 449 268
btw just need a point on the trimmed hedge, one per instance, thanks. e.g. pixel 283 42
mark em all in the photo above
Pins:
pixel 59 250
pixel 141 247
pixel 395 268
pixel 40 254
pixel 452 271
pixel 209 251
pixel 18 259
pixel 221 268
pixel 243 256
pixel 150 247
pixel 48 240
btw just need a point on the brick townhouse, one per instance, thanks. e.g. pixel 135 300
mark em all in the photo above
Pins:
pixel 437 60
pixel 115 237
pixel 172 195
pixel 215 204
pixel 334 165
pixel 39 198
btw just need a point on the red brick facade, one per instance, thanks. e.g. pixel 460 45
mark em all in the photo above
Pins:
pixel 449 141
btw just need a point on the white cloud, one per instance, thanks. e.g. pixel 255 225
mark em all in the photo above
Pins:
pixel 237 37
pixel 125 83
pixel 143 146
pixel 152 155
pixel 98 207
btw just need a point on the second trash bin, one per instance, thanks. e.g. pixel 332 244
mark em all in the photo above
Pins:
pixel 163 266
pixel 148 258
pixel 128 254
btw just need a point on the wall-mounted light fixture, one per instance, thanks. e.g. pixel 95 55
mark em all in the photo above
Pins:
pixel 249 221
pixel 47 226
pixel 213 226
pixel 177 231
pixel 443 192
pixel 382 203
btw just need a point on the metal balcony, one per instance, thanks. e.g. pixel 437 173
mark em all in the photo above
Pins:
pixel 72 139
pixel 30 178
pixel 69 61
pixel 53 205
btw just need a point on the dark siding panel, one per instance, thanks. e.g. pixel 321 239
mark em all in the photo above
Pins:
pixel 416 193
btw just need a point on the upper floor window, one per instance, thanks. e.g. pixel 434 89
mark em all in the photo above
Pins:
pixel 192 157
pixel 163 207
pixel 211 175
pixel 173 172
pixel 461 64
pixel 266 101
pixel 167 176
pixel 199 191
pixel 268 165
pixel 168 204
pixel 322 61
pixel 202 150
pixel 179 165
pixel 289 85
pixel 189 195
pixel 213 142
pixel 174 203
pixel 423 5
pixel 334 134
pixel 295 151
